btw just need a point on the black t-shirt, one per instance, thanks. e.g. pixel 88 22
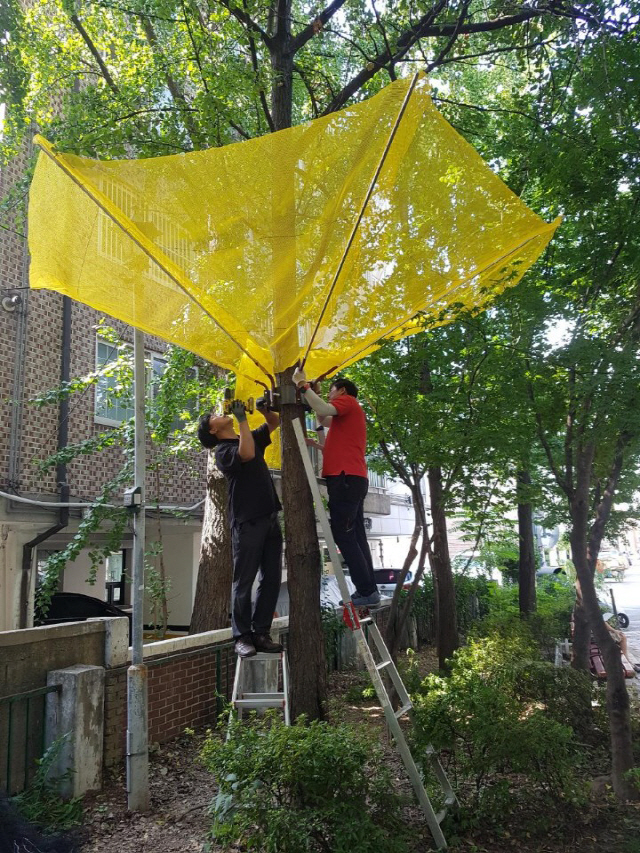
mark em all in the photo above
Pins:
pixel 251 490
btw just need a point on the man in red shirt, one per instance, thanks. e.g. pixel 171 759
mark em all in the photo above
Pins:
pixel 345 471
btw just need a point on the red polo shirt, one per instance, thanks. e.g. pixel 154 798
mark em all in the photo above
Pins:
pixel 346 439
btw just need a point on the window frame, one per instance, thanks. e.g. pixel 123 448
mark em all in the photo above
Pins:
pixel 104 420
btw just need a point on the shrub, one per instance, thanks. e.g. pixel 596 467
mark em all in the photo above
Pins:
pixel 41 804
pixel 503 719
pixel 472 603
pixel 549 623
pixel 302 789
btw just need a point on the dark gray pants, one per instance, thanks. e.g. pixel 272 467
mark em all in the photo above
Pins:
pixel 257 547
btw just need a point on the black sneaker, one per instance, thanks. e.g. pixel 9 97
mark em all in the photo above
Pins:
pixel 366 600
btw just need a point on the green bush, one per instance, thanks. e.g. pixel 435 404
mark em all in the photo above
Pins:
pixel 550 622
pixel 302 789
pixel 472 603
pixel 504 720
pixel 41 803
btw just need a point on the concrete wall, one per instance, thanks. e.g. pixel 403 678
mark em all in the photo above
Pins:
pixel 26 659
pixel 27 656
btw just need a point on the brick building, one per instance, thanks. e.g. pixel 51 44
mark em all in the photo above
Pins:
pixel 46 337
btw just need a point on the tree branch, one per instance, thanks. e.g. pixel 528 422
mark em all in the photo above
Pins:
pixel 452 38
pixel 426 27
pixel 307 85
pixel 247 20
pixel 195 134
pixel 603 510
pixel 566 488
pixel 316 26
pixel 95 53
pixel 256 71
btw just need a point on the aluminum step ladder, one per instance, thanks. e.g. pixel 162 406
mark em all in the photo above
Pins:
pixel 376 668
pixel 244 698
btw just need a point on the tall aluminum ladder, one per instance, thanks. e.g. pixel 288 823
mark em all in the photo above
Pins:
pixel 243 698
pixel 376 668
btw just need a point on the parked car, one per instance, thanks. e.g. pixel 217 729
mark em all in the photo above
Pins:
pixel 76 607
pixel 387 580
pixel 550 570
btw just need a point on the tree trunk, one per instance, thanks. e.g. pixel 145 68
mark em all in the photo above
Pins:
pixel 581 633
pixel 396 623
pixel 398 619
pixel 447 637
pixel 212 603
pixel 306 638
pixel 617 696
pixel 526 562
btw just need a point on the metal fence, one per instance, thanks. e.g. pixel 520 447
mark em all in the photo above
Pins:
pixel 22 737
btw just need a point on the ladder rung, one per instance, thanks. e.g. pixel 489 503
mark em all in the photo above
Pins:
pixel 382 665
pixel 450 800
pixel 404 710
pixel 366 620
pixel 259 703
pixel 266 696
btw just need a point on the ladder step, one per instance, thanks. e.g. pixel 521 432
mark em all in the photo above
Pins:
pixel 259 703
pixel 382 665
pixel 266 696
pixel 404 710
pixel 449 801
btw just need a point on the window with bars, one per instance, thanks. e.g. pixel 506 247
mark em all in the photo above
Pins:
pixel 112 403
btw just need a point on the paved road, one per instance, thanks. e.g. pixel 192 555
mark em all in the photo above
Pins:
pixel 627 596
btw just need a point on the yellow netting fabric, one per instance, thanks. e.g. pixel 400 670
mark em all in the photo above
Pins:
pixel 233 252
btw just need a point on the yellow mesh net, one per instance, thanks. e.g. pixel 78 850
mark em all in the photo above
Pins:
pixel 313 242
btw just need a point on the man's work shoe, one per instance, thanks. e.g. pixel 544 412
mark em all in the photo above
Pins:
pixel 366 600
pixel 264 643
pixel 244 648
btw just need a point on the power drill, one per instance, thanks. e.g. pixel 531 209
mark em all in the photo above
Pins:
pixel 249 405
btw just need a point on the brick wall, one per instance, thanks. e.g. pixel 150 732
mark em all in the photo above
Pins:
pixel 185 689
pixel 40 314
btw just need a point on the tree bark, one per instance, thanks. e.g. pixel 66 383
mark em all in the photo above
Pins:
pixel 399 613
pixel 617 697
pixel 447 636
pixel 215 568
pixel 581 633
pixel 526 562
pixel 306 638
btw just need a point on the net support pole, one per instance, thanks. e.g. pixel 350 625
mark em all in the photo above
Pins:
pixel 137 693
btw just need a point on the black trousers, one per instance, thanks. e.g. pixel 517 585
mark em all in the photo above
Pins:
pixel 346 499
pixel 257 548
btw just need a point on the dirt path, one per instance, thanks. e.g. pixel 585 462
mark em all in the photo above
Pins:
pixel 181 790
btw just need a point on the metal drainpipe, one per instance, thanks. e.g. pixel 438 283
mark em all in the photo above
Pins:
pixel 61 468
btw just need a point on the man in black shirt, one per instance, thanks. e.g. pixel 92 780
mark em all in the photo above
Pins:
pixel 253 516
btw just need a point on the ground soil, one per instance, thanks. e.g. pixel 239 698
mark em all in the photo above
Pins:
pixel 181 791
